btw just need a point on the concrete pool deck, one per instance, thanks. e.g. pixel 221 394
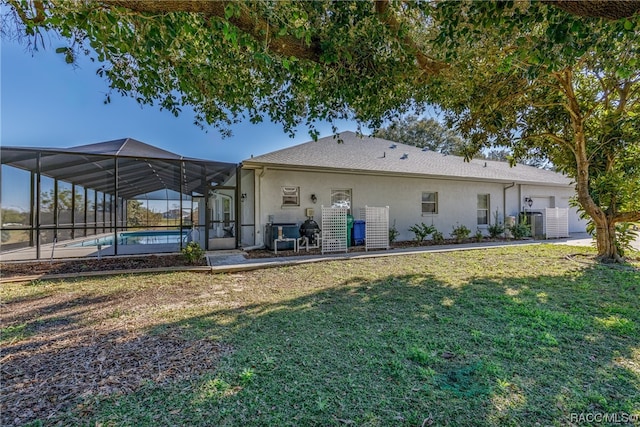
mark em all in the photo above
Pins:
pixel 86 247
pixel 61 251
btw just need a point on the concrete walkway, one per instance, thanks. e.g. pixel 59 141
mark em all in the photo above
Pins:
pixel 234 260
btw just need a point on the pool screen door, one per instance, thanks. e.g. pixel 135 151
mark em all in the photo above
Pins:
pixel 221 218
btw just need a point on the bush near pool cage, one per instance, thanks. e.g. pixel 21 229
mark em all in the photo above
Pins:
pixel 192 252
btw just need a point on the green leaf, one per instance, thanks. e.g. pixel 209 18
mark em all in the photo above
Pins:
pixel 229 11
pixel 623 73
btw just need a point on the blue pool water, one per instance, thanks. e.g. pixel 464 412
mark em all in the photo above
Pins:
pixel 137 238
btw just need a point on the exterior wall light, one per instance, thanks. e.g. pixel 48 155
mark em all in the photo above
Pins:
pixel 528 201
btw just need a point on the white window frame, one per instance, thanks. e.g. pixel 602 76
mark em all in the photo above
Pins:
pixel 290 196
pixel 487 210
pixel 434 203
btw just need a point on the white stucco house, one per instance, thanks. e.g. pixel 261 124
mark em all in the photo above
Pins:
pixel 418 186
pixel 228 205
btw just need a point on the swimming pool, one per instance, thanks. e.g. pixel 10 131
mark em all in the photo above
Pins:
pixel 146 237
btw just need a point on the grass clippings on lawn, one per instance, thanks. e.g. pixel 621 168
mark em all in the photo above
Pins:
pixel 510 336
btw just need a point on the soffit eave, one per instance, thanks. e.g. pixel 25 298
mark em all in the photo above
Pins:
pixel 323 169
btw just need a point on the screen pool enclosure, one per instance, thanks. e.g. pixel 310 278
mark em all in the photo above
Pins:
pixel 124 194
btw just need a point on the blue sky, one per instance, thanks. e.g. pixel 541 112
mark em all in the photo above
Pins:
pixel 48 103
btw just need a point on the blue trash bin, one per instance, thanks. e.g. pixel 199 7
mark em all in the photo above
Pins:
pixel 358 232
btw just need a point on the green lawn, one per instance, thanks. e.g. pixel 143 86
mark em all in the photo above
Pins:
pixel 515 336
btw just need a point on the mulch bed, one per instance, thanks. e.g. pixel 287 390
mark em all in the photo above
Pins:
pixel 263 253
pixel 50 376
pixel 285 253
pixel 63 351
pixel 87 265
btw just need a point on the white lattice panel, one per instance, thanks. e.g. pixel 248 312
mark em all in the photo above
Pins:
pixel 376 228
pixel 334 229
pixel 557 222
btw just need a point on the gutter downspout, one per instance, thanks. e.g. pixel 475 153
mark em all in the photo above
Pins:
pixel 519 198
pixel 504 201
pixel 258 211
pixel 238 206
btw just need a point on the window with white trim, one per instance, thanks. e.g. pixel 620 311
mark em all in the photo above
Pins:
pixel 429 203
pixel 290 196
pixel 341 198
pixel 483 209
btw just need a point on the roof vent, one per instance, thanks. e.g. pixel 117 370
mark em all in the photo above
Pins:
pixel 405 156
pixel 485 164
pixel 425 148
pixel 393 146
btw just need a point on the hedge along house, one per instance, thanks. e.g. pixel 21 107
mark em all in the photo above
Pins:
pixel 112 198
pixel 418 186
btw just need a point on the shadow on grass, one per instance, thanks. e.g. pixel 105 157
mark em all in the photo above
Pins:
pixel 408 350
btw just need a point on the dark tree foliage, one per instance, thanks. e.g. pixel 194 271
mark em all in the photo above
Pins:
pixel 559 78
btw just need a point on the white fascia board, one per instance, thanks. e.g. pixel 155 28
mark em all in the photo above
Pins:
pixel 285 167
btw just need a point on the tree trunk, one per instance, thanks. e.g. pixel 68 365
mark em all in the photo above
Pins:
pixel 606 242
pixel 605 225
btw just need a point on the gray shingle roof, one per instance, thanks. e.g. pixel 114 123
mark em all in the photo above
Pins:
pixel 370 155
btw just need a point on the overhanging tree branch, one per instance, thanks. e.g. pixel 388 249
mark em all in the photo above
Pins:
pixel 627 217
pixel 428 65
pixel 37 18
pixel 565 78
pixel 261 30
pixel 552 136
pixel 258 28
pixel 608 9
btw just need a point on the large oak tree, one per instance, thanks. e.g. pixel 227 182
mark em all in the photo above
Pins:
pixel 559 77
pixel 568 88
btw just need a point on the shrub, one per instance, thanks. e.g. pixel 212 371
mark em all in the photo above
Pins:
pixel 626 233
pixel 479 236
pixel 192 253
pixel 497 228
pixel 422 231
pixel 520 229
pixel 460 232
pixel 437 237
pixel 393 232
